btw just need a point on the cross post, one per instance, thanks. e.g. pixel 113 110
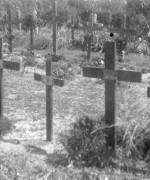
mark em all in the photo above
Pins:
pixel 148 92
pixel 4 65
pixel 72 30
pixel 111 75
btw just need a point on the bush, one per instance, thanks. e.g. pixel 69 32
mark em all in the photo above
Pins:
pixel 85 147
pixel 41 41
pixel 18 35
pixel 63 38
pixel 60 70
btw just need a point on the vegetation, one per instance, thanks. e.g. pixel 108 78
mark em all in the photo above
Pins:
pixel 79 150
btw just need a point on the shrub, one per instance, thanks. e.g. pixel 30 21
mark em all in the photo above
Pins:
pixel 18 35
pixel 60 70
pixel 63 38
pixel 41 41
pixel 84 145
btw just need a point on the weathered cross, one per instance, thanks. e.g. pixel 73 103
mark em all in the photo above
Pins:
pixel 111 75
pixel 10 23
pixel 50 81
pixel 96 27
pixel 4 65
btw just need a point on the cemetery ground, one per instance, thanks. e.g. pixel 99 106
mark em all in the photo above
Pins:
pixel 24 153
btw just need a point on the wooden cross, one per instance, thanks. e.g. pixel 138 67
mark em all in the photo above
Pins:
pixel 111 75
pixel 49 81
pixel 4 65
pixel 10 23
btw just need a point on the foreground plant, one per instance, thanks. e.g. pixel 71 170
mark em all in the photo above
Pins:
pixel 85 146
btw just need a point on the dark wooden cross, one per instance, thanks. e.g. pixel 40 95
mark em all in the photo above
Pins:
pixel 4 65
pixel 111 75
pixel 49 81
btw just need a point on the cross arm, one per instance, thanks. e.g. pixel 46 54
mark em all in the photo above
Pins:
pixel 92 72
pixel 121 75
pixel 10 22
pixel 122 31
pixel 48 80
pixel 94 28
pixel 130 76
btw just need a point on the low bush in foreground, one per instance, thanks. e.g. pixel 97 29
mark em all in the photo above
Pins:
pixel 85 146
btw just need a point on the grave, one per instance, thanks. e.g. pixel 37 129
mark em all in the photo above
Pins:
pixel 111 76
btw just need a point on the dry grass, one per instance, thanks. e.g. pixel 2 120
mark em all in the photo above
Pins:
pixel 33 157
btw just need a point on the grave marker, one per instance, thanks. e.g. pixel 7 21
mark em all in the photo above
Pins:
pixel 10 22
pixel 49 81
pixel 111 75
pixel 4 65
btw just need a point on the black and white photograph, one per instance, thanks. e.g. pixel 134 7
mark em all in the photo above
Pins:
pixel 74 89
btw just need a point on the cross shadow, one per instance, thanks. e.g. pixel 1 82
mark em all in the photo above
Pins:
pixel 11 141
pixel 57 159
pixel 35 150
pixel 54 159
